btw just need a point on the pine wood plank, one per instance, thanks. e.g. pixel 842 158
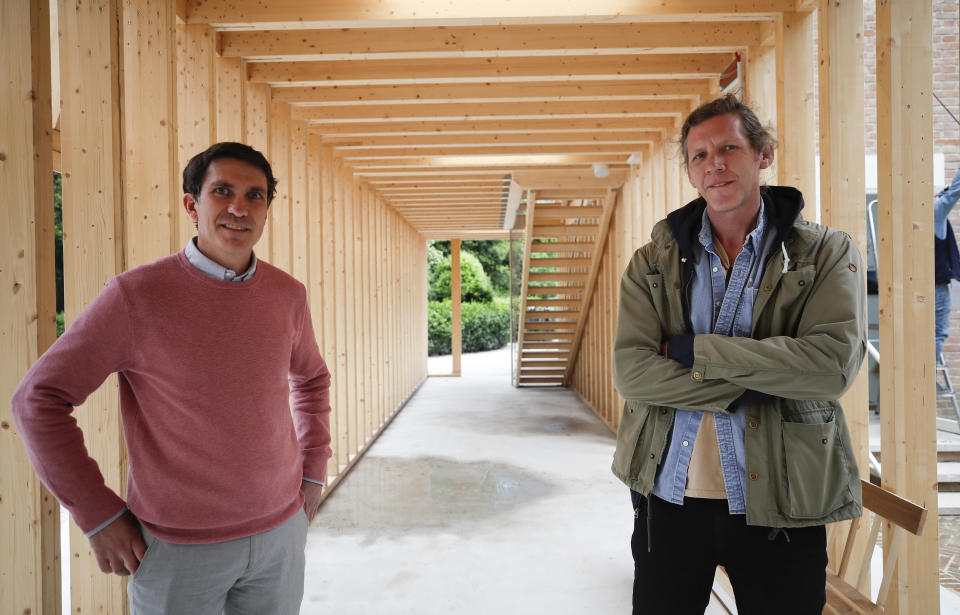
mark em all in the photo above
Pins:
pixel 345 42
pixel 29 517
pixel 904 138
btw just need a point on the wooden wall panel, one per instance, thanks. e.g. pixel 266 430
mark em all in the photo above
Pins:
pixel 29 516
pixel 368 278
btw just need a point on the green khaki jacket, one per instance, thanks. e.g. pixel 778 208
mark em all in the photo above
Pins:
pixel 809 328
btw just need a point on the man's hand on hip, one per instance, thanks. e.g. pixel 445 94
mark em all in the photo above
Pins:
pixel 119 547
pixel 311 498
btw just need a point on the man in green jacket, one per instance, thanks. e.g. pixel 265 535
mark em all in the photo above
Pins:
pixel 739 327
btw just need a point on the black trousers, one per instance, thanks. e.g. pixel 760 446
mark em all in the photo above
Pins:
pixel 773 572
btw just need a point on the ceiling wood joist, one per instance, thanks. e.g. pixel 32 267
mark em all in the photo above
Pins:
pixel 437 106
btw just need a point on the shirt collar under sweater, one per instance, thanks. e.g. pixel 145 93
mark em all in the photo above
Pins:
pixel 215 270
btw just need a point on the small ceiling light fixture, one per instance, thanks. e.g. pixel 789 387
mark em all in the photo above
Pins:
pixel 600 170
pixel 635 159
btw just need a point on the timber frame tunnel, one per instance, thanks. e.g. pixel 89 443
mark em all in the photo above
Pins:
pixel 390 123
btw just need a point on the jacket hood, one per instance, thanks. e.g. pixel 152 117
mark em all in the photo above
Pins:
pixel 782 205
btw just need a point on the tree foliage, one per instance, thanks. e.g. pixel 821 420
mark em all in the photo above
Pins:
pixel 474 283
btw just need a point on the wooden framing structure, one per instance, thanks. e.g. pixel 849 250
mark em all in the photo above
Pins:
pixel 391 123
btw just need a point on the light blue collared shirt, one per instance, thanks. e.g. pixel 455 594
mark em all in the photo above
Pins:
pixel 725 308
pixel 215 270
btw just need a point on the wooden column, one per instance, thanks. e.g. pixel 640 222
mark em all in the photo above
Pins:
pixel 348 375
pixel 329 305
pixel 196 130
pixel 456 328
pixel 315 235
pixel 121 200
pixel 340 391
pixel 150 164
pixel 92 252
pixel 842 181
pixel 796 66
pixel 29 516
pixel 299 212
pixel 256 132
pixel 229 98
pixel 278 224
pixel 905 193
pixel 760 92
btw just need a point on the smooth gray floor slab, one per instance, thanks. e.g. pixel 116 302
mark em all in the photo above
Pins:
pixel 479 498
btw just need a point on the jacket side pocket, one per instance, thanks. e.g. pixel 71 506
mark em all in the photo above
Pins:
pixel 628 436
pixel 815 463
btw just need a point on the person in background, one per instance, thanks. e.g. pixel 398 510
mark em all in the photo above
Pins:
pixel 947 259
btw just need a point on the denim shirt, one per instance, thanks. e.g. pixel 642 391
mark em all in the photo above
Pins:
pixel 724 309
pixel 943 203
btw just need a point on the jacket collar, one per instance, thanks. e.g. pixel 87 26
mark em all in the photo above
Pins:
pixel 782 205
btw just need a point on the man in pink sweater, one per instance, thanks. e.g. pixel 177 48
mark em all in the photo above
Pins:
pixel 212 347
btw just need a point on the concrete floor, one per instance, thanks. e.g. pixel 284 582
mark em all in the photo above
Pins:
pixel 479 498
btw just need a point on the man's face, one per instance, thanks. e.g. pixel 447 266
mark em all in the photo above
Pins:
pixel 723 166
pixel 230 212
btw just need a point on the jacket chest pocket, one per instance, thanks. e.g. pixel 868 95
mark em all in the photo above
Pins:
pixel 784 306
pixel 817 481
pixel 659 297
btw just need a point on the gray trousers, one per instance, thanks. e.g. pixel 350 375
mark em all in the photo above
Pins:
pixel 257 575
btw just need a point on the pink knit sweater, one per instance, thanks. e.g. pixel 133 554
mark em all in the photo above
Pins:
pixel 206 370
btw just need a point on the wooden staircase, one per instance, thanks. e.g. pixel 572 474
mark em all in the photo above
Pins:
pixel 565 230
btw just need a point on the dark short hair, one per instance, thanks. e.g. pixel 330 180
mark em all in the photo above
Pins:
pixel 196 170
pixel 758 136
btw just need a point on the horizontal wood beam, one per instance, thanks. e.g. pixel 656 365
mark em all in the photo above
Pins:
pixel 543 247
pixel 559 137
pixel 434 171
pixel 289 13
pixel 567 194
pixel 560 262
pixel 489 40
pixel 547 212
pixel 474 92
pixel 467 234
pixel 667 66
pixel 466 111
pixel 507 161
pixel 546 180
pixel 626 147
pixel 494 126
pixel 400 197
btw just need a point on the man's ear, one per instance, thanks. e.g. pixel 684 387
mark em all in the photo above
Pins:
pixel 766 157
pixel 190 204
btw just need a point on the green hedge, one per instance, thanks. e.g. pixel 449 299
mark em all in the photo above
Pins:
pixel 486 326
